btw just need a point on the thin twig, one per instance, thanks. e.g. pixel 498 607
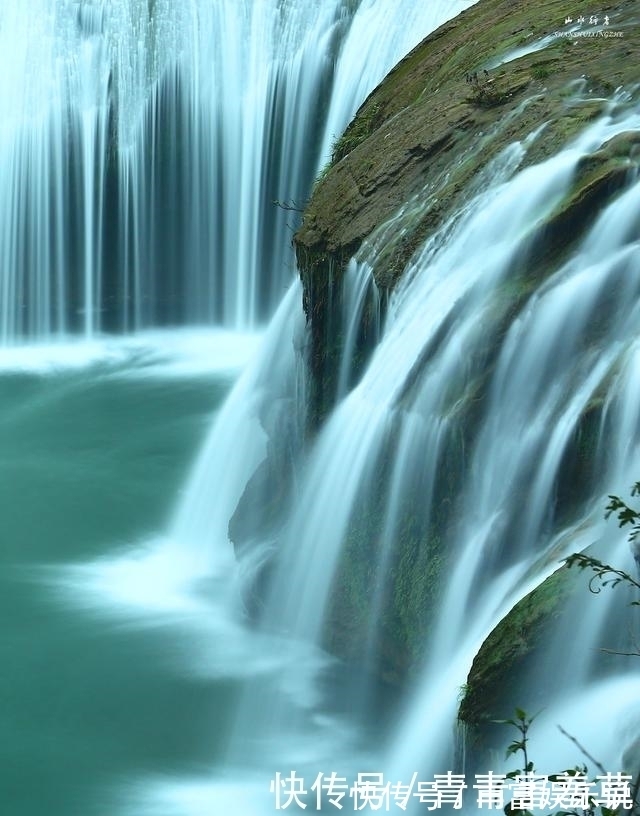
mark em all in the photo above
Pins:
pixel 583 749
pixel 290 206
pixel 622 654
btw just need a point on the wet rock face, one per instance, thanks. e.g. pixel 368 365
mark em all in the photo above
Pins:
pixel 501 72
pixel 422 138
pixel 450 106
pixel 261 507
pixel 495 75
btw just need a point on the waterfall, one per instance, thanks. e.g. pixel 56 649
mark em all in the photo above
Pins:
pixel 468 413
pixel 143 145
pixel 446 460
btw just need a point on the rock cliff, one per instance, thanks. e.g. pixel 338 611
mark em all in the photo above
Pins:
pixel 502 71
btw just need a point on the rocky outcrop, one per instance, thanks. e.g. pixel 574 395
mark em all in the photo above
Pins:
pixel 501 72
pixel 512 649
pixel 451 105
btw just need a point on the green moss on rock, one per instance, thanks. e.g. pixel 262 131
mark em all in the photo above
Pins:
pixel 426 127
pixel 508 648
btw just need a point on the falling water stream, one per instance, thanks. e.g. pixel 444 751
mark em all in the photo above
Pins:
pixel 571 342
pixel 142 146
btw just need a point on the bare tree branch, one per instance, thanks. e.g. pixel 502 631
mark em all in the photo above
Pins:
pixel 581 748
pixel 290 206
pixel 621 654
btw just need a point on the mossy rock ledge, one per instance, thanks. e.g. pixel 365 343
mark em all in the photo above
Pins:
pixel 425 132
pixel 512 650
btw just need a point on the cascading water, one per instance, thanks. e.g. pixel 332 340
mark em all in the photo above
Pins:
pixel 452 387
pixel 468 413
pixel 143 145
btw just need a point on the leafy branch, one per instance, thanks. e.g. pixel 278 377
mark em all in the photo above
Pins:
pixel 625 513
pixel 605 574
pixel 522 723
